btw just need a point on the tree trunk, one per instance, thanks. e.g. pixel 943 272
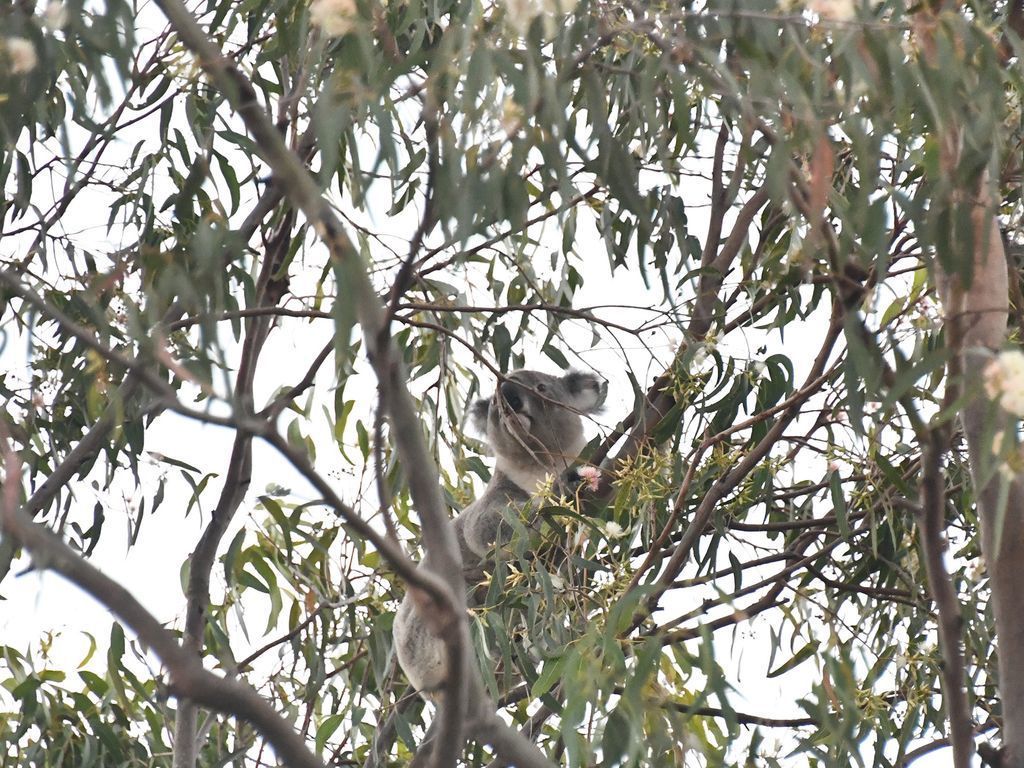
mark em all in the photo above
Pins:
pixel 983 308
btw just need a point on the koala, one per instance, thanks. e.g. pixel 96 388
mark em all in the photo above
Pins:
pixel 534 425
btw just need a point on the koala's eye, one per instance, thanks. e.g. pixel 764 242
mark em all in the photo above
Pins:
pixel 542 388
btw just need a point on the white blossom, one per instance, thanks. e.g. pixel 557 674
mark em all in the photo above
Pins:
pixel 909 47
pixel 703 353
pixel 521 13
pixel 56 15
pixel 1004 381
pixel 334 17
pixel 612 529
pixel 512 116
pixel 22 55
pixel 975 569
pixel 834 10
pixel 554 7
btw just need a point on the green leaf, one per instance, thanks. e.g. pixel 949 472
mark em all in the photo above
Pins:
pixel 89 653
pixel 616 741
pixel 277 513
pixel 550 674
pixel 805 653
pixel 842 514
pixel 327 728
pixel 273 591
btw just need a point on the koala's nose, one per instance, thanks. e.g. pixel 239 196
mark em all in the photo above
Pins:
pixel 511 396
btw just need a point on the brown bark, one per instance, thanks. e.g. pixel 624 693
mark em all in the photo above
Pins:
pixel 982 309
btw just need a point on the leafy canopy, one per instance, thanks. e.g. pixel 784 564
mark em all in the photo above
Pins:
pixel 744 203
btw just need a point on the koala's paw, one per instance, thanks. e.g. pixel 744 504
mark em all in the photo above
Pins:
pixel 581 478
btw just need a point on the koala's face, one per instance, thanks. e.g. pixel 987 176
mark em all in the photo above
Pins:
pixel 535 418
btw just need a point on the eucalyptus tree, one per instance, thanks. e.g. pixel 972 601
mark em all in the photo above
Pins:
pixel 788 234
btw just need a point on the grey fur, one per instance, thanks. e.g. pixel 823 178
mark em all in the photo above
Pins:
pixel 533 424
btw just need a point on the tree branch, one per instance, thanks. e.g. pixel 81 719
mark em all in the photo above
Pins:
pixel 444 557
pixel 443 554
pixel 723 485
pixel 188 678
pixel 950 620
pixel 982 309
pixel 236 484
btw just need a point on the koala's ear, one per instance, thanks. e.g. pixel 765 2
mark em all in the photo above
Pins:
pixel 478 412
pixel 587 390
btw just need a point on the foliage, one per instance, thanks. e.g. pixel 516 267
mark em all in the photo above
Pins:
pixel 746 203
